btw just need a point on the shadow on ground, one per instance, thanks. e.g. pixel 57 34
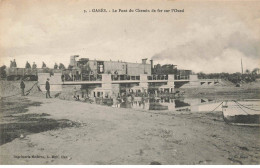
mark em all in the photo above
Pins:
pixel 17 124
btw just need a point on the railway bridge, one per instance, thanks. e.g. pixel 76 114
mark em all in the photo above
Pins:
pixel 108 85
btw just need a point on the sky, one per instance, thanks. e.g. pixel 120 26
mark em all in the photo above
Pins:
pixel 209 36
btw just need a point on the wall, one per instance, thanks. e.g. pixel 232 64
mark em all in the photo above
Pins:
pixel 112 66
pixel 196 83
pixel 135 69
pixel 55 81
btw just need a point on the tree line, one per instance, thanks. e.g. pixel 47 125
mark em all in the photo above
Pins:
pixel 248 76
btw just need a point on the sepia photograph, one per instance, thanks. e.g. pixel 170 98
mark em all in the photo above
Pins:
pixel 129 82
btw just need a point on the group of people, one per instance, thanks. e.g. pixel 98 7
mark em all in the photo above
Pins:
pixel 13 64
pixel 28 65
pixel 47 87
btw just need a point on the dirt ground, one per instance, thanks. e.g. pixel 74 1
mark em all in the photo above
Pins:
pixel 246 91
pixel 35 130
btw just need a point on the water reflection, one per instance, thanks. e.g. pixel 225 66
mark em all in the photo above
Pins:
pixel 166 103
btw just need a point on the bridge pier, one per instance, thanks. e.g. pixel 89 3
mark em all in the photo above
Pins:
pixel 107 88
pixel 171 83
pixel 169 86
pixel 144 83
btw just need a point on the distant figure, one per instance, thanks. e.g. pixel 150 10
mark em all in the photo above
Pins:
pixel 43 65
pixel 47 87
pixel 34 66
pixel 56 66
pixel 11 64
pixel 14 64
pixel 22 86
pixel 62 78
pixel 70 75
pixel 27 65
pixel 61 66
pixel 76 96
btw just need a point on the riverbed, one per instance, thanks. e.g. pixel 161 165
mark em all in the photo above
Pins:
pixel 72 132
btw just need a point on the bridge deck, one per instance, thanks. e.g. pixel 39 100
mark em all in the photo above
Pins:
pixel 119 82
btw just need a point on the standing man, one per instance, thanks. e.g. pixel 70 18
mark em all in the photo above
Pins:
pixel 11 64
pixel 47 87
pixel 14 64
pixel 34 66
pixel 22 86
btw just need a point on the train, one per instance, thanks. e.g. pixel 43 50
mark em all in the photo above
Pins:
pixel 85 69
pixel 30 74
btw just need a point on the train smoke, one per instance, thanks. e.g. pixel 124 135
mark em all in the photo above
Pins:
pixel 216 50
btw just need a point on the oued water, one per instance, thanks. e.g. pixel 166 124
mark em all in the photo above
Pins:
pixel 184 104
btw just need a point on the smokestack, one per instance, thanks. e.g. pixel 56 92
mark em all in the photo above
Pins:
pixel 144 61
pixel 151 61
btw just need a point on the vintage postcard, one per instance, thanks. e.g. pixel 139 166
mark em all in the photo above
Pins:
pixel 121 82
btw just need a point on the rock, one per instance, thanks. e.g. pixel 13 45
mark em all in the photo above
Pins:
pixel 242 156
pixel 141 152
pixel 155 163
pixel 243 148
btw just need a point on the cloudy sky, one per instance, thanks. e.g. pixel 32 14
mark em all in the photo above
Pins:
pixel 209 36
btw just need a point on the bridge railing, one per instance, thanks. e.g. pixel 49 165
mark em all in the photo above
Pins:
pixel 124 77
pixel 80 77
pixel 77 77
pixel 182 77
pixel 211 80
pixel 157 77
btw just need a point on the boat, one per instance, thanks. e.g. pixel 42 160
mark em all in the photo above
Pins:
pixel 246 112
